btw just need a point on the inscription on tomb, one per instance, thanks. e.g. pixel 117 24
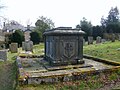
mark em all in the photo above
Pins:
pixel 69 49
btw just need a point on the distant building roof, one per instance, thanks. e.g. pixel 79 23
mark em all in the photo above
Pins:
pixel 13 26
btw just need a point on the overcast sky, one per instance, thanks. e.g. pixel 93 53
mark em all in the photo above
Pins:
pixel 62 12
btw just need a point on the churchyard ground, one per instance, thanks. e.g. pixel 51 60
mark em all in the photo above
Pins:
pixel 108 50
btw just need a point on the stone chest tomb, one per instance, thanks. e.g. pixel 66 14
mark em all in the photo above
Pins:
pixel 64 46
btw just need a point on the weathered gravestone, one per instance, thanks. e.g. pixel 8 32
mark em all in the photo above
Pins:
pixel 119 37
pixel 28 46
pixel 3 55
pixel 90 40
pixel 113 38
pixel 64 46
pixel 103 40
pixel 13 47
pixel 98 40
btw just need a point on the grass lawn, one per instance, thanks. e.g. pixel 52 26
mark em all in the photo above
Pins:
pixel 8 71
pixel 107 50
pixel 38 49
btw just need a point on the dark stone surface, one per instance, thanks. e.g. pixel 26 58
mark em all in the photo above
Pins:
pixel 64 46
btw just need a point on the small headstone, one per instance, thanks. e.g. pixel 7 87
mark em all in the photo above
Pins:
pixel 113 38
pixel 90 40
pixel 98 40
pixel 13 47
pixel 103 40
pixel 3 55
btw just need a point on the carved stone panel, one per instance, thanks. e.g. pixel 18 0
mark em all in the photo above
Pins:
pixel 69 49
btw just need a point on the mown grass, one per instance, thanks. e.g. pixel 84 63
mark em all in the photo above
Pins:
pixel 109 50
pixel 38 49
pixel 37 87
pixel 8 69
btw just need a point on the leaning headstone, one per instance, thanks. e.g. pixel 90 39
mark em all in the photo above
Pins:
pixel 3 55
pixel 98 40
pixel 28 46
pixel 113 38
pixel 90 40
pixel 13 47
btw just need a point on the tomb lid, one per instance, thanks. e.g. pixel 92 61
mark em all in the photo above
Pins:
pixel 64 31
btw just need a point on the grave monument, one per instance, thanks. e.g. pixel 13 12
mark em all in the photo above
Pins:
pixel 27 45
pixel 98 39
pixel 90 40
pixel 64 46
